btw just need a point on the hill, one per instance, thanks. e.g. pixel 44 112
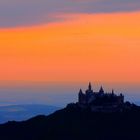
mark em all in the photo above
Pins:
pixel 72 123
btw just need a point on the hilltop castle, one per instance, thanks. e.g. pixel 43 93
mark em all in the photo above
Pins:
pixel 99 101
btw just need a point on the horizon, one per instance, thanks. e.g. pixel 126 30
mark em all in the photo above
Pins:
pixel 61 94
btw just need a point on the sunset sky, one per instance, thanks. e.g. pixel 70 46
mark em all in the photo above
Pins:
pixel 54 43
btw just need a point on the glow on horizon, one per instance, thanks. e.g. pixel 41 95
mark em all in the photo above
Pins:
pixel 82 47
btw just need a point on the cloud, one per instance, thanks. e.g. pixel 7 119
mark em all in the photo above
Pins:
pixel 29 12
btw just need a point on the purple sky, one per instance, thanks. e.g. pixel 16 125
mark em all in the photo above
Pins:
pixel 32 12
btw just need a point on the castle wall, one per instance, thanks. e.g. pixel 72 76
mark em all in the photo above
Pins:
pixel 82 98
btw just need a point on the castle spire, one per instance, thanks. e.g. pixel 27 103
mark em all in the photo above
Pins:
pixel 80 91
pixel 89 86
pixel 101 91
pixel 112 91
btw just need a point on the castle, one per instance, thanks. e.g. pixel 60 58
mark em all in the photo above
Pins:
pixel 99 100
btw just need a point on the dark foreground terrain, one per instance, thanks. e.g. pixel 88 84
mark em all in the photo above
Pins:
pixel 73 123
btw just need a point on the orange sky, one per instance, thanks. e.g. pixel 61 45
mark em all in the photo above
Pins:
pixel 83 47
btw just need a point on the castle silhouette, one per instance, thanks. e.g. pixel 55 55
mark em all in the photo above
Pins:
pixel 99 101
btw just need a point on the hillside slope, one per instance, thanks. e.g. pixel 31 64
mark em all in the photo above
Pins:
pixel 72 123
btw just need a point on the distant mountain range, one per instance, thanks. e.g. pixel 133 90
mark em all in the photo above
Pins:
pixel 72 123
pixel 24 112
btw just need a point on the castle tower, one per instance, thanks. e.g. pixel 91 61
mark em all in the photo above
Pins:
pixel 113 91
pixel 89 93
pixel 80 92
pixel 101 91
pixel 89 90
pixel 89 87
pixel 81 97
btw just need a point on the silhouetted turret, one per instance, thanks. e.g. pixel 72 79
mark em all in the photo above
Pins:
pixel 80 92
pixel 82 97
pixel 101 91
pixel 89 87
pixel 112 92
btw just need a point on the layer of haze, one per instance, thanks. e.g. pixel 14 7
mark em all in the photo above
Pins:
pixel 47 61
